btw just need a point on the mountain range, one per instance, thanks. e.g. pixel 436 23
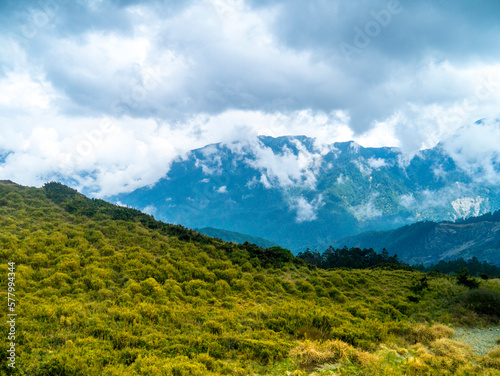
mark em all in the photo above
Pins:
pixel 236 237
pixel 430 242
pixel 299 193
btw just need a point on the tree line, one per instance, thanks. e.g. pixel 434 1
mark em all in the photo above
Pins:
pixel 352 258
pixel 473 266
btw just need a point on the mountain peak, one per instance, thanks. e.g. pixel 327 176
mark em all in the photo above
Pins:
pixel 293 193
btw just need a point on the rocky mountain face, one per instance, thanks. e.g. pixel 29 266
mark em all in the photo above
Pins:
pixel 297 192
pixel 429 242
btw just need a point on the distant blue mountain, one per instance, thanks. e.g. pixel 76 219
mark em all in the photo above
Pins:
pixel 3 156
pixel 231 236
pixel 294 192
pixel 430 242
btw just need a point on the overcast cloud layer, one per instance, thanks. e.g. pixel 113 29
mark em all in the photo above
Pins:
pixel 108 93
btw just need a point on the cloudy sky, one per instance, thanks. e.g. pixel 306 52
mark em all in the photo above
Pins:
pixel 109 92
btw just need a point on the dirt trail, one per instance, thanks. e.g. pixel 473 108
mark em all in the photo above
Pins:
pixel 482 340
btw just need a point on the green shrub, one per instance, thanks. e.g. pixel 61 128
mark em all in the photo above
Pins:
pixel 336 295
pixel 240 285
pixel 464 279
pixel 150 287
pixel 105 294
pixel 195 287
pixel 227 274
pixel 309 333
pixel 304 286
pixel 213 327
pixel 222 288
pixel 483 301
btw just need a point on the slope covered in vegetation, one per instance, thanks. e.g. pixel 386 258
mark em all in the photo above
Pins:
pixel 106 290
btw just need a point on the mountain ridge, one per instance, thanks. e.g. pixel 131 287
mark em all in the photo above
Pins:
pixel 237 237
pixel 295 192
pixel 430 242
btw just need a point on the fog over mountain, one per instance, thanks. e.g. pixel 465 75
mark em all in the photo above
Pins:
pixel 297 192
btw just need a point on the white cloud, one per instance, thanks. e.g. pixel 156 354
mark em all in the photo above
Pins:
pixel 424 126
pixel 363 168
pixel 440 172
pixel 173 78
pixel 476 149
pixel 354 147
pixel 20 93
pixel 210 150
pixel 213 167
pixel 367 211
pixel 408 201
pixel 265 182
pixel 222 189
pixel 150 209
pixel 98 156
pixel 286 169
pixel 459 200
pixel 468 206
pixel 342 179
pixel 306 211
pixel 376 163
pixel 382 133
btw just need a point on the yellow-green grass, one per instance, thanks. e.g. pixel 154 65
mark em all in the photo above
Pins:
pixel 97 296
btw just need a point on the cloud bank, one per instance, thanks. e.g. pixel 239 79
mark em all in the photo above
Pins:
pixel 105 94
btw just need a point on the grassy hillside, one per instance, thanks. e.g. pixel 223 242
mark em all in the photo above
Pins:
pixel 106 290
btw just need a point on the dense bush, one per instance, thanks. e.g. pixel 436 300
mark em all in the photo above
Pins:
pixel 464 279
pixel 483 301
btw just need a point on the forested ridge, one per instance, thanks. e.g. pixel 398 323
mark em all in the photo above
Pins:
pixel 429 242
pixel 107 290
